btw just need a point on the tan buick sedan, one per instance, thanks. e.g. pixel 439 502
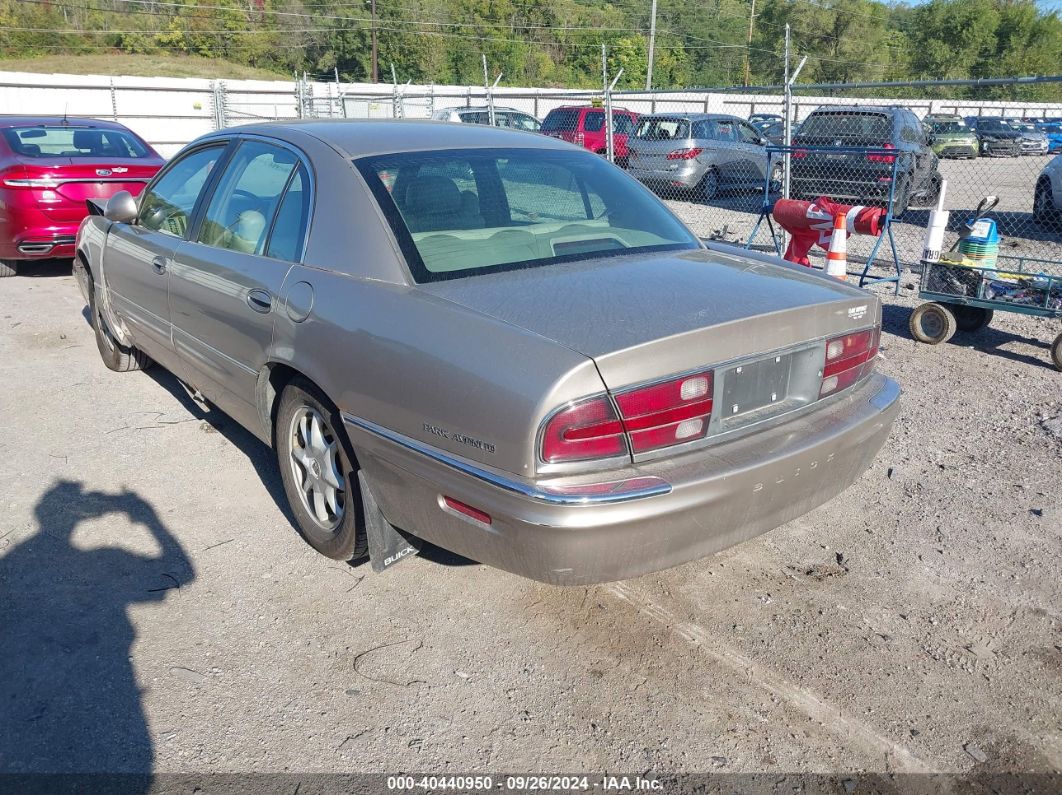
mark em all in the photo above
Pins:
pixel 491 340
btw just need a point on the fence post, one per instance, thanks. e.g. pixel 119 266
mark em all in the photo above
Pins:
pixel 217 104
pixel 114 101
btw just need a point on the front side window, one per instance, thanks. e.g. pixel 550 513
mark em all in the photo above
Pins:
pixel 246 198
pixel 167 205
pixel 71 141
pixel 474 211
pixel 289 227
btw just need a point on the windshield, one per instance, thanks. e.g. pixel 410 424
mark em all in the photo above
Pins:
pixel 468 211
pixel 72 141
pixel 657 129
pixel 943 127
pixel 847 124
pixel 995 125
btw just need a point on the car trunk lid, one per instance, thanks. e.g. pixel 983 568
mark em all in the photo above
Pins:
pixel 61 185
pixel 646 317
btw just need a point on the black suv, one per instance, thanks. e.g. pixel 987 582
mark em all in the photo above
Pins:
pixel 996 136
pixel 858 178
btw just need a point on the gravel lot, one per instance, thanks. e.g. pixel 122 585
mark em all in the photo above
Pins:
pixel 158 611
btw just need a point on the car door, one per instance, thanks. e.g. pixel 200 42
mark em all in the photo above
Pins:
pixel 718 137
pixel 138 254
pixel 225 281
pixel 750 154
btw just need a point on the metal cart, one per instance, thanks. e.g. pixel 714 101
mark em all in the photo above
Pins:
pixel 965 298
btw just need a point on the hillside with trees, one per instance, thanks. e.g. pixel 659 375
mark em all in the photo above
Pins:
pixel 557 42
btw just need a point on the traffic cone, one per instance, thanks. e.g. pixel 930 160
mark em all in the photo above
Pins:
pixel 837 256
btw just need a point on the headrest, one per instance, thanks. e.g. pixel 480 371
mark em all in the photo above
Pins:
pixel 88 139
pixel 433 193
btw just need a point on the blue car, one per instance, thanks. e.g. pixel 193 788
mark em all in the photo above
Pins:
pixel 1053 131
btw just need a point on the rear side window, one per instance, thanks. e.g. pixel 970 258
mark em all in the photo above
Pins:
pixel 594 121
pixel 658 129
pixel 847 124
pixel 247 197
pixel 167 205
pixel 622 123
pixel 289 228
pixel 67 141
pixel 561 121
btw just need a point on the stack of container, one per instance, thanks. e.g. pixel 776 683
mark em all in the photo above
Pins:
pixel 982 245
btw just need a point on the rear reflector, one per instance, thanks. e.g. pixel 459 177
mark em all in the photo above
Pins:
pixel 848 359
pixel 466 509
pixel 586 430
pixel 684 154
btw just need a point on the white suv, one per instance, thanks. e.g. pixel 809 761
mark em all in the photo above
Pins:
pixel 503 117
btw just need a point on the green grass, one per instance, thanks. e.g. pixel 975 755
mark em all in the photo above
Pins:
pixel 115 64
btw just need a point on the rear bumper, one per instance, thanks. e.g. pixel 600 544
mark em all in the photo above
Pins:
pixel 708 501
pixel 26 233
pixel 684 175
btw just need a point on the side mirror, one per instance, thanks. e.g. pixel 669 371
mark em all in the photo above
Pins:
pixel 121 208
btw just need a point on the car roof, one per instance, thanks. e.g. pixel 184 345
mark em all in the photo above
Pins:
pixel 889 109
pixel 693 116
pixel 464 108
pixel 361 137
pixel 590 107
pixel 19 121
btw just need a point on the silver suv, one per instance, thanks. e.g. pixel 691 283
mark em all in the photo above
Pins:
pixel 503 117
pixel 698 153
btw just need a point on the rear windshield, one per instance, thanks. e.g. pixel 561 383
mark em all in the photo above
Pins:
pixel 940 127
pixel 462 212
pixel 71 141
pixel 847 124
pixel 560 121
pixel 658 129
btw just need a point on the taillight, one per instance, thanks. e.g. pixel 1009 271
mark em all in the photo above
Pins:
pixel 799 154
pixel 23 178
pixel 876 158
pixel 583 431
pixel 669 413
pixel 848 359
pixel 684 154
pixel 651 417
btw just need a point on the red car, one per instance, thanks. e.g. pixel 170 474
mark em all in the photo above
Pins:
pixel 585 125
pixel 49 166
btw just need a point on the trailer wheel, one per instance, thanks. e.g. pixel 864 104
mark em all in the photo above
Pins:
pixel 971 318
pixel 933 324
pixel 1056 352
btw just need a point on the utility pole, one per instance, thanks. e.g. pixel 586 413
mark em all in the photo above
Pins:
pixel 375 64
pixel 652 47
pixel 748 48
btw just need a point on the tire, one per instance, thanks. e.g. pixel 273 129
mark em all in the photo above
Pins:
pixel 1045 214
pixel 1056 352
pixel 901 200
pixel 708 187
pixel 933 324
pixel 117 357
pixel 8 267
pixel 315 467
pixel 971 318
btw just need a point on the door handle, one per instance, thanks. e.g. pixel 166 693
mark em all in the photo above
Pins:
pixel 260 301
pixel 159 264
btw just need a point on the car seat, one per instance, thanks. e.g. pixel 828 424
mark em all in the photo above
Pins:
pixel 435 203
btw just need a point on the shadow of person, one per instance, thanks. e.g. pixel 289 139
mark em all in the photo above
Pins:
pixel 69 701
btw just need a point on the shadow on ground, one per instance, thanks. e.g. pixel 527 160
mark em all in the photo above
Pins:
pixel 68 693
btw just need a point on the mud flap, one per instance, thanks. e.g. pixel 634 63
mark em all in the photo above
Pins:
pixel 387 544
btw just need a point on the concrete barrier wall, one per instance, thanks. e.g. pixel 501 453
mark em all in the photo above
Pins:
pixel 170 111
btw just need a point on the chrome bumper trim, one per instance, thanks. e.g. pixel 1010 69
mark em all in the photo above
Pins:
pixel 640 486
pixel 886 396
